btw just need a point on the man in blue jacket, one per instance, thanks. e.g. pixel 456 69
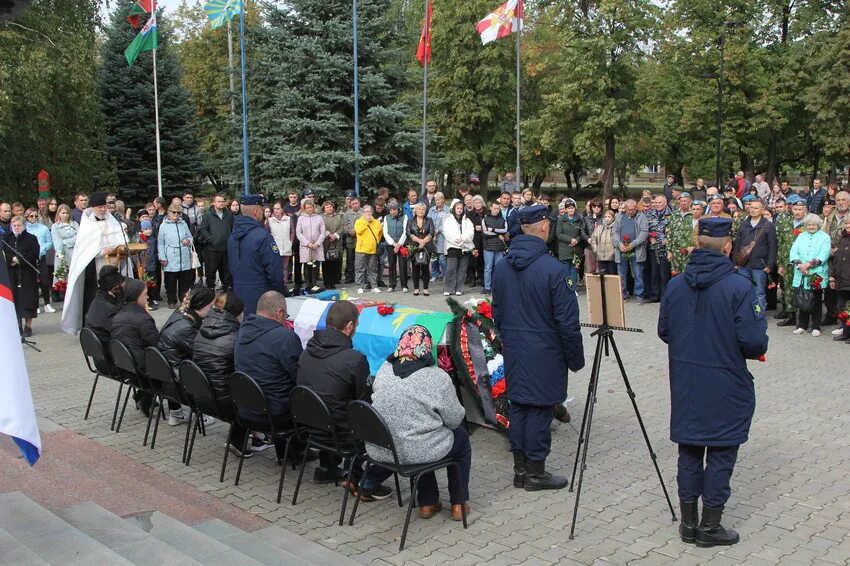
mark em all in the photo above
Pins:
pixel 255 264
pixel 267 352
pixel 713 322
pixel 536 311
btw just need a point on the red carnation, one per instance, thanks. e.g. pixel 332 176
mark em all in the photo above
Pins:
pixel 627 238
pixel 404 251
pixel 485 309
pixel 816 284
pixel 762 358
pixel 385 310
pixel 653 234
pixel 843 316
pixel 797 231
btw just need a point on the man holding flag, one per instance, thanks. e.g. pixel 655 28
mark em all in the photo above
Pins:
pixel 17 413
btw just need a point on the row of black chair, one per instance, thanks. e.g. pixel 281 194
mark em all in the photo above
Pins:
pixel 312 423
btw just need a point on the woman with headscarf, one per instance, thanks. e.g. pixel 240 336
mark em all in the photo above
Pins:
pixel 136 329
pixel 419 404
pixel 177 337
pixel 459 233
pixel 21 249
pixel 104 307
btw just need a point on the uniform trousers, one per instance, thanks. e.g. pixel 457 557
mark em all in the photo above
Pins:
pixel 529 432
pixel 704 471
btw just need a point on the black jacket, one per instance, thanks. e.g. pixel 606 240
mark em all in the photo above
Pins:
pixel 764 252
pixel 268 352
pixel 426 230
pixel 499 227
pixel 99 317
pixel 331 367
pixel 213 352
pixel 840 268
pixel 214 231
pixel 133 326
pixel 177 337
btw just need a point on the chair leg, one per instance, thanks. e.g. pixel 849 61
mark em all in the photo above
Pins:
pixel 242 455
pixel 346 492
pixel 397 490
pixel 117 404
pixel 130 389
pixel 301 473
pixel 283 467
pixel 160 415
pixel 357 495
pixel 414 483
pixel 188 429
pixel 226 451
pixel 91 396
pixel 151 412
pixel 191 443
pixel 203 426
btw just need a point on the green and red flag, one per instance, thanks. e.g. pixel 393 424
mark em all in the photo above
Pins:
pixel 136 12
pixel 146 40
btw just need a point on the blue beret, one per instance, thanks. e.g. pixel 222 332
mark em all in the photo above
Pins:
pixel 715 227
pixel 713 197
pixel 795 199
pixel 252 200
pixel 699 203
pixel 748 198
pixel 533 214
pixel 350 194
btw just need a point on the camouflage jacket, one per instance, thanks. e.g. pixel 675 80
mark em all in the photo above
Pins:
pixel 658 222
pixel 680 237
pixel 833 226
pixel 736 223
pixel 784 237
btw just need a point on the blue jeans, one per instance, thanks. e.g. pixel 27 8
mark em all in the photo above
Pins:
pixel 438 266
pixel 637 274
pixel 461 452
pixel 490 261
pixel 759 277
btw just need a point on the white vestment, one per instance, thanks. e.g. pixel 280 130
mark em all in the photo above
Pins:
pixel 92 237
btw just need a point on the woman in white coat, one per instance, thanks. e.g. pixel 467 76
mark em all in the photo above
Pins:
pixel 459 233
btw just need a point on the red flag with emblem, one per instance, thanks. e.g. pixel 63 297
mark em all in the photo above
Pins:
pixel 423 52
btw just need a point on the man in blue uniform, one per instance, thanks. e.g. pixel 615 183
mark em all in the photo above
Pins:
pixel 254 258
pixel 536 311
pixel 712 322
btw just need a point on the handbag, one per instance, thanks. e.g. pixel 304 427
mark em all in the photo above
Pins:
pixel 803 299
pixel 742 256
pixel 332 254
pixel 421 257
pixel 196 262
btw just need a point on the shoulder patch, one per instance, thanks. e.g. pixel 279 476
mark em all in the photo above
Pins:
pixel 275 248
pixel 570 283
pixel 757 310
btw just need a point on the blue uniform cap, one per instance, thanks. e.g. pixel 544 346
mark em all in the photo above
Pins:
pixel 533 214
pixel 715 227
pixel 252 200
pixel 699 203
pixel 308 193
pixel 791 200
pixel 350 194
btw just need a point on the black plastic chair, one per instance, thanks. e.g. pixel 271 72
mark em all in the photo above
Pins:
pixel 137 380
pixel 247 395
pixel 165 386
pixel 202 401
pixel 368 426
pixel 95 354
pixel 313 426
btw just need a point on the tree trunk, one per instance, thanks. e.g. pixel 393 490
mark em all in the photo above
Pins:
pixel 771 172
pixel 608 166
pixel 577 178
pixel 484 168
pixel 815 165
pixel 746 165
pixel 538 182
pixel 621 179
pixel 567 174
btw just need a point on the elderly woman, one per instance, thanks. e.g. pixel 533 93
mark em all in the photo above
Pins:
pixel 809 255
pixel 310 232
pixel 174 250
pixel 419 404
pixel 21 250
pixel 45 255
pixel 839 280
pixel 332 268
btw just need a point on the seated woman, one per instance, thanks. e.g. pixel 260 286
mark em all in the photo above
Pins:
pixel 420 406
pixel 213 349
pixel 110 285
pixel 177 337
pixel 136 329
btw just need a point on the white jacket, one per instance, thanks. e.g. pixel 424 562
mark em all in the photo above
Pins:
pixel 281 232
pixel 452 231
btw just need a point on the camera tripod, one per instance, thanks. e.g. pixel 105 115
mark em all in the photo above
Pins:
pixel 604 344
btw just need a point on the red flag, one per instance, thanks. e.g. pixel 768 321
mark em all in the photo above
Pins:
pixel 136 11
pixel 147 5
pixel 503 22
pixel 423 52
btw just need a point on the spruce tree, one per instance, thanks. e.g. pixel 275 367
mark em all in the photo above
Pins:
pixel 301 111
pixel 127 102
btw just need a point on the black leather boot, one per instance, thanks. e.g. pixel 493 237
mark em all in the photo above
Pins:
pixel 782 314
pixel 790 321
pixel 537 478
pixel 519 469
pixel 690 518
pixel 710 532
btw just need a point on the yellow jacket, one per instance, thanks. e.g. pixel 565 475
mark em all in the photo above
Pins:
pixel 367 243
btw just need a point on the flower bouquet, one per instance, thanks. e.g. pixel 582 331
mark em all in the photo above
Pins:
pixel 149 281
pixel 797 231
pixel 629 254
pixel 815 281
pixel 844 315
pixel 60 276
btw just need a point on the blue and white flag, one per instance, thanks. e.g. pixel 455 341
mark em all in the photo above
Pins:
pixel 17 413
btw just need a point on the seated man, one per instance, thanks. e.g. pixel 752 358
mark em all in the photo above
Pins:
pixel 331 367
pixel 267 352
pixel 106 303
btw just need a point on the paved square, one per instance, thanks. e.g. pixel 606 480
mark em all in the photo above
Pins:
pixel 790 491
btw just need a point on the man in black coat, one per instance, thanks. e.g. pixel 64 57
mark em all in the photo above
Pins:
pixel 267 352
pixel 213 235
pixel 332 368
pixel 103 308
pixel 762 257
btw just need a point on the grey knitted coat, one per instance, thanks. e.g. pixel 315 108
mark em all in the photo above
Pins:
pixel 421 411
